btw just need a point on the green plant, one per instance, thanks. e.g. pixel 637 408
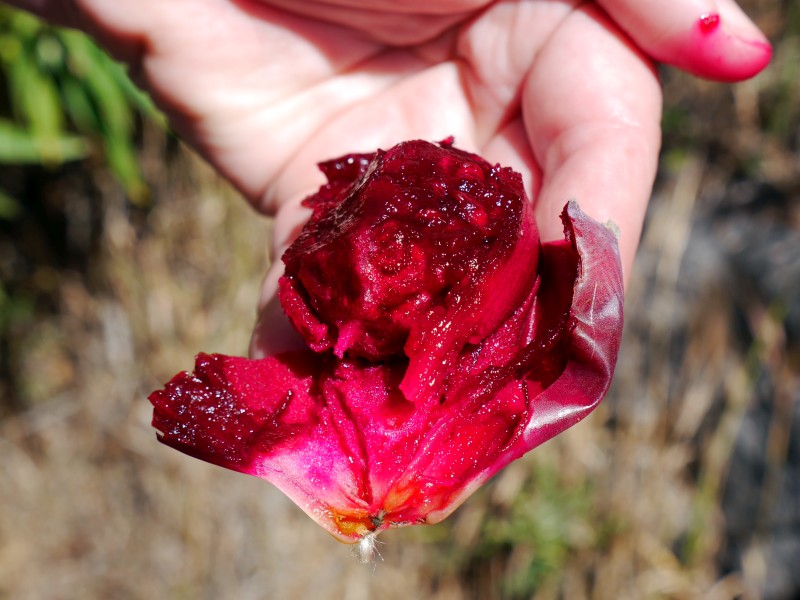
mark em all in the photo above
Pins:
pixel 65 99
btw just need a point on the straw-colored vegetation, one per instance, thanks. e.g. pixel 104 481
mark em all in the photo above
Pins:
pixel 104 296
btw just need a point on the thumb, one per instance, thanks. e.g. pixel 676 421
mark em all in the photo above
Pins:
pixel 713 39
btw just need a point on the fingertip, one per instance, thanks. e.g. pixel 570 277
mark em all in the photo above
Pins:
pixel 719 47
pixel 712 39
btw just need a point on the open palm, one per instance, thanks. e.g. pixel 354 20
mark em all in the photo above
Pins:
pixel 563 91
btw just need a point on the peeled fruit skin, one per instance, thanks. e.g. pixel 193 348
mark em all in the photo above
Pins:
pixel 414 390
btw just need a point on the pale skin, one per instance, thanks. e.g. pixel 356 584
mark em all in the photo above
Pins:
pixel 563 91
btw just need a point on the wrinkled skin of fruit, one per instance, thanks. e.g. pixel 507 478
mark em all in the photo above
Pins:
pixel 444 341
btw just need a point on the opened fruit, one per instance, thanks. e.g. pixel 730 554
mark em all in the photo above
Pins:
pixel 444 341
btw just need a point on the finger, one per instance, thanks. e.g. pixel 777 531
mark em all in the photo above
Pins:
pixel 592 108
pixel 708 38
pixel 497 51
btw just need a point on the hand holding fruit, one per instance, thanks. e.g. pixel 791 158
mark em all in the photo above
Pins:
pixel 565 92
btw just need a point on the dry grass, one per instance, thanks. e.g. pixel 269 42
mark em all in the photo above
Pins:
pixel 627 505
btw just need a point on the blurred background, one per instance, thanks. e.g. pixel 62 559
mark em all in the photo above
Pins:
pixel 122 255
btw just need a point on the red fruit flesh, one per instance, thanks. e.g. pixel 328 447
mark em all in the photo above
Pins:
pixel 445 342
pixel 429 248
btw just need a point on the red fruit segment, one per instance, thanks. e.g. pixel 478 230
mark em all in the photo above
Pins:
pixel 232 407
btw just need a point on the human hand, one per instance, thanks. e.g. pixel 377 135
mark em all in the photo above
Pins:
pixel 563 91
